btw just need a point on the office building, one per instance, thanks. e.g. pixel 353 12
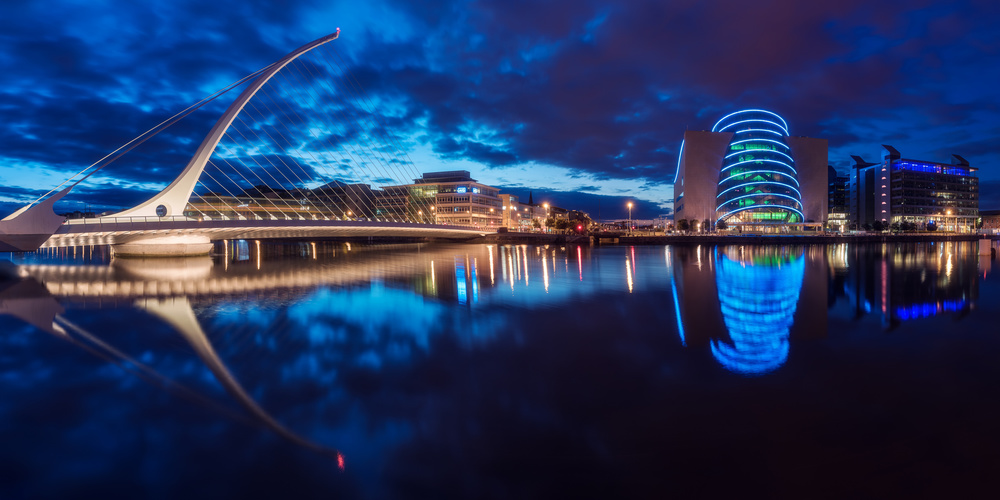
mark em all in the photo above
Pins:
pixel 838 197
pixel 451 197
pixel 900 190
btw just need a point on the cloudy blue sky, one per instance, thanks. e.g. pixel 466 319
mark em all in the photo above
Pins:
pixel 582 102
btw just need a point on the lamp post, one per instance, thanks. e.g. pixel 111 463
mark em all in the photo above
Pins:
pixel 630 218
pixel 949 216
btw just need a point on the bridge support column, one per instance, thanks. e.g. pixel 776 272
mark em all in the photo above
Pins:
pixel 165 246
pixel 985 246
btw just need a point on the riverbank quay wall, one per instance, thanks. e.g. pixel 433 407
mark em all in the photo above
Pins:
pixel 719 239
pixel 796 239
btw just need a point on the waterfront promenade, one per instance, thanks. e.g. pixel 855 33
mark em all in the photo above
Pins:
pixel 726 239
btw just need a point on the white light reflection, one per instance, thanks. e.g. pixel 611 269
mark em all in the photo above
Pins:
pixel 433 280
pixel 633 260
pixel 492 281
pixel 525 253
pixel 628 273
pixel 545 271
pixel 510 262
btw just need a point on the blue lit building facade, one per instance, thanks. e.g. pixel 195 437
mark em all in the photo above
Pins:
pixel 748 172
pixel 899 190
pixel 758 182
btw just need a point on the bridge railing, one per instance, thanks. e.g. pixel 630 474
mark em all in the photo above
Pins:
pixel 101 224
pixel 93 221
pixel 180 218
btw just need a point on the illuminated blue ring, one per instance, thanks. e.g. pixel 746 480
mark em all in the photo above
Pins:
pixel 758 182
pixel 751 195
pixel 759 130
pixel 753 120
pixel 760 139
pixel 744 209
pixel 785 128
pixel 755 160
pixel 679 156
pixel 738 362
pixel 731 177
pixel 763 150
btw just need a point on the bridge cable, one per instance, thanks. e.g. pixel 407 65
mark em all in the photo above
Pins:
pixel 359 168
pixel 354 89
pixel 226 189
pixel 268 96
pixel 300 187
pixel 263 183
pixel 373 128
pixel 145 136
pixel 301 102
pixel 316 162
pixel 364 173
pixel 291 158
pixel 268 173
pixel 356 86
pixel 246 191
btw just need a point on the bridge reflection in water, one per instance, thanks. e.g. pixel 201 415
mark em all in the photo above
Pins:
pixel 323 343
pixel 744 303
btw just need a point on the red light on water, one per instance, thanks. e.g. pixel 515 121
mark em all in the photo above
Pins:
pixel 340 461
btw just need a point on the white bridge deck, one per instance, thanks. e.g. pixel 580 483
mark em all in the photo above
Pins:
pixel 118 230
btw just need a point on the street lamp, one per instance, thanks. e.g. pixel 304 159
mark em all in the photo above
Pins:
pixel 546 207
pixel 949 216
pixel 630 218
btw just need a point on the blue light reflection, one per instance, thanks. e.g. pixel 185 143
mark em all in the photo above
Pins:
pixel 758 293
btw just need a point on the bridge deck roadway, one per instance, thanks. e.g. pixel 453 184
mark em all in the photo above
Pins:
pixel 104 231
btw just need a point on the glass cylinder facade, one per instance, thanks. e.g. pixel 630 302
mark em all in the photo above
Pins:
pixel 758 182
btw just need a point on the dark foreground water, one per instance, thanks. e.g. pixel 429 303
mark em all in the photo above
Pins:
pixel 324 371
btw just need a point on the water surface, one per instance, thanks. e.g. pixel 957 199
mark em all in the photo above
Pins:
pixel 325 370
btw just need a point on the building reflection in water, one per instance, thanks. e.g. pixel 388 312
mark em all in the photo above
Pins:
pixel 758 293
pixel 906 281
pixel 746 302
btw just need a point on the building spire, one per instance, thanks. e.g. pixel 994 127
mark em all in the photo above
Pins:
pixel 531 200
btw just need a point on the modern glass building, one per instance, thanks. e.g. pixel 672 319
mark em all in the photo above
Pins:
pixel 748 172
pixel 901 190
pixel 758 183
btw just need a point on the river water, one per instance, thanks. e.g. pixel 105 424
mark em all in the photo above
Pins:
pixel 332 370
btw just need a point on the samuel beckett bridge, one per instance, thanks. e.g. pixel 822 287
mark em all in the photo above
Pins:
pixel 301 152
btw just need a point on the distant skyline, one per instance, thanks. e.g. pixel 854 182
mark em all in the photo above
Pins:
pixel 584 103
